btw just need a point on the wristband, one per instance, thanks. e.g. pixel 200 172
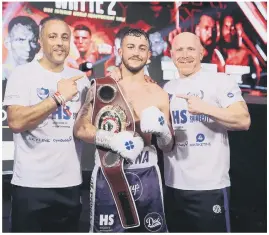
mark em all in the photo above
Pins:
pixel 56 101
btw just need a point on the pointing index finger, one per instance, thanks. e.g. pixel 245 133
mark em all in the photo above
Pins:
pixel 186 97
pixel 75 78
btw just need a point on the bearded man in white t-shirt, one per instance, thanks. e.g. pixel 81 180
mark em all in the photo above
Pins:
pixel 203 106
pixel 42 100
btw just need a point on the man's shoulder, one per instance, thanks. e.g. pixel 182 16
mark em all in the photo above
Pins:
pixel 157 90
pixel 73 71
pixel 212 76
pixel 26 66
pixel 25 70
pixel 170 85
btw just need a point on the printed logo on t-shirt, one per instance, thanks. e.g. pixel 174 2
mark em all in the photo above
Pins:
pixel 182 117
pixel 182 144
pixel 153 222
pixel 62 115
pixel 200 138
pixel 42 93
pixel 135 183
pixel 38 140
pixel 230 95
pixel 200 141
pixel 199 94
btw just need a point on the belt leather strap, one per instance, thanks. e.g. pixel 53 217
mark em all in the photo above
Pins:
pixel 112 113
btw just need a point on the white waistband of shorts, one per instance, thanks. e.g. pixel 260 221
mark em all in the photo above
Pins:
pixel 147 158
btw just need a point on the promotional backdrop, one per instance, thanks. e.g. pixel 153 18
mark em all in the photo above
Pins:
pixel 233 34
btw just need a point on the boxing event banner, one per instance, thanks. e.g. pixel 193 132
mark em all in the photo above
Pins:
pixel 233 34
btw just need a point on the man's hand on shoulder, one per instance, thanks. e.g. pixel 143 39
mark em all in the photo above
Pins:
pixel 117 76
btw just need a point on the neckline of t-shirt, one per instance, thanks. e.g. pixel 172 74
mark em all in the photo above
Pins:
pixel 48 71
pixel 192 77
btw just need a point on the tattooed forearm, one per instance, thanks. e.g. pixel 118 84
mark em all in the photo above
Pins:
pixel 86 109
pixel 83 128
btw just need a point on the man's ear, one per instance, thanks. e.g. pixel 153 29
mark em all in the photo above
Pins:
pixel 197 31
pixel 40 42
pixel 165 45
pixel 120 53
pixel 202 52
pixel 149 56
pixel 171 53
pixel 7 43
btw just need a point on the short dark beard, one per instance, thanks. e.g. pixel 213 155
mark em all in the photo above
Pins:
pixel 131 69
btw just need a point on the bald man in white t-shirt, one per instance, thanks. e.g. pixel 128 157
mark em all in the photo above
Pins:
pixel 203 106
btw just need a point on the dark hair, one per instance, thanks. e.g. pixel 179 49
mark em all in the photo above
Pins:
pixel 82 27
pixel 199 15
pixel 25 21
pixel 121 32
pixel 152 30
pixel 222 43
pixel 137 33
pixel 47 19
pixel 223 16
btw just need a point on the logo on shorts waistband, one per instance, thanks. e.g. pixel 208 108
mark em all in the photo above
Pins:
pixel 153 222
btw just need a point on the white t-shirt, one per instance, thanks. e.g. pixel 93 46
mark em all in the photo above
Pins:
pixel 200 159
pixel 47 156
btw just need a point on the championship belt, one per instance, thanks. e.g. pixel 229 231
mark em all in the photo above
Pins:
pixel 112 113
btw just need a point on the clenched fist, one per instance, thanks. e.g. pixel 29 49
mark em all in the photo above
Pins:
pixel 68 87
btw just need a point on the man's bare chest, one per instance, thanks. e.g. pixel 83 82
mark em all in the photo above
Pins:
pixel 140 100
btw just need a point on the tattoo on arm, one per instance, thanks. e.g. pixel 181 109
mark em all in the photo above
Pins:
pixel 86 109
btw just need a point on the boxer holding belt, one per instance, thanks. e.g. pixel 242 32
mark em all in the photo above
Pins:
pixel 150 108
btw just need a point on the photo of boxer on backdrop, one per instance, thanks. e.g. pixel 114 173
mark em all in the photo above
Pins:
pixel 21 43
pixel 231 47
pixel 87 48
pixel 158 47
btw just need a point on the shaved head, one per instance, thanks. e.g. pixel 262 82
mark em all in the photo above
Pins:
pixel 187 53
pixel 186 37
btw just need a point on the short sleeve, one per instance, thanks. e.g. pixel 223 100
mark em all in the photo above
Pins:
pixel 228 91
pixel 17 89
